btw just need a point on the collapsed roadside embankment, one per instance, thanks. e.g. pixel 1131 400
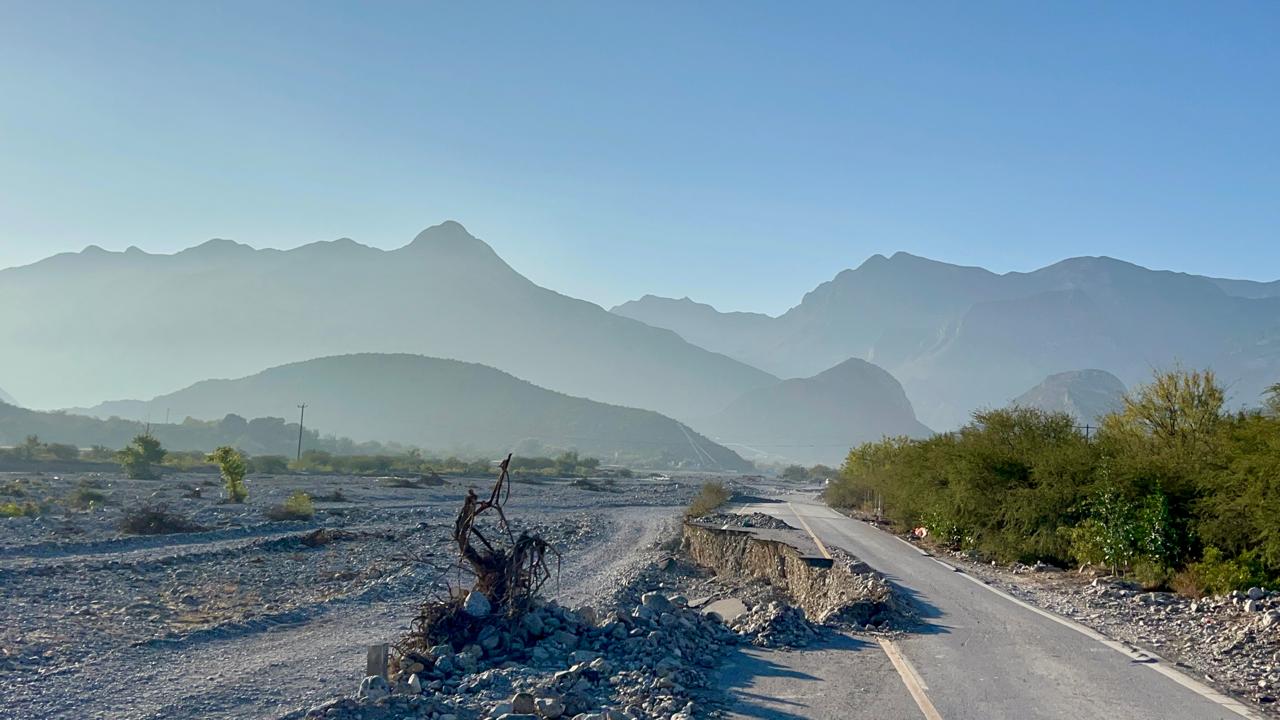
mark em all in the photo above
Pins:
pixel 836 588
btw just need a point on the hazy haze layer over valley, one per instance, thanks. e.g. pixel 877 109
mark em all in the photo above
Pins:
pixel 444 405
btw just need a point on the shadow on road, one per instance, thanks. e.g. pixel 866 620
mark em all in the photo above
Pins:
pixel 756 683
pixel 926 618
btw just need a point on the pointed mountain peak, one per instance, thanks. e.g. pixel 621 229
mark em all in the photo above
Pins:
pixel 447 233
pixel 450 241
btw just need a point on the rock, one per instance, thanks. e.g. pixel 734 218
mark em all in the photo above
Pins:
pixel 477 605
pixel 440 651
pixel 533 624
pixel 656 602
pixel 1252 606
pixel 522 704
pixel 414 684
pixel 549 708
pixel 500 709
pixel 490 637
pixel 1256 593
pixel 566 638
pixel 727 609
pixel 373 688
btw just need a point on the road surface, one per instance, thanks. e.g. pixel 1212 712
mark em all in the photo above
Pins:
pixel 979 656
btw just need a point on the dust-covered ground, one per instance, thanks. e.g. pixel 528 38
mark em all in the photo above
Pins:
pixel 250 618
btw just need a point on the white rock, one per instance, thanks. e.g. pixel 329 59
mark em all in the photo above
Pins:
pixel 549 708
pixel 374 688
pixel 1256 593
pixel 415 684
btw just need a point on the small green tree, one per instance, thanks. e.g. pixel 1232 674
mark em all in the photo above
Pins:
pixel 232 466
pixel 140 457
pixel 29 448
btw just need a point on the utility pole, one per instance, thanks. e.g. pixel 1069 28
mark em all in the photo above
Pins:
pixel 302 416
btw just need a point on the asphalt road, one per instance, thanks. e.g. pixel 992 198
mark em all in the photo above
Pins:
pixel 984 656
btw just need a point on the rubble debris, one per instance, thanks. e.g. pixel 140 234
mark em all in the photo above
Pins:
pixel 839 588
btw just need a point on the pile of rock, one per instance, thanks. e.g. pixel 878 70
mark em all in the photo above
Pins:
pixel 650 660
pixel 750 520
pixel 776 625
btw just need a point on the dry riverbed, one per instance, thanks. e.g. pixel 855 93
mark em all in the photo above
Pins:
pixel 251 618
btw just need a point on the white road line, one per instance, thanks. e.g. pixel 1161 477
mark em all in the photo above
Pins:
pixel 822 548
pixel 910 678
pixel 1147 659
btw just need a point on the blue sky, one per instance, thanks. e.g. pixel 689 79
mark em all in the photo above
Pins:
pixel 737 153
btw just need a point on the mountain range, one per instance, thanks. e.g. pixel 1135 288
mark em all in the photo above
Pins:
pixel 1086 395
pixel 895 346
pixel 443 406
pixel 817 419
pixel 961 338
pixel 96 324
pixel 7 398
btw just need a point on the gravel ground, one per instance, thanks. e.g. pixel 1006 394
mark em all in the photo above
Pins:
pixel 245 620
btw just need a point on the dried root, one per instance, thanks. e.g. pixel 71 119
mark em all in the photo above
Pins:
pixel 509 570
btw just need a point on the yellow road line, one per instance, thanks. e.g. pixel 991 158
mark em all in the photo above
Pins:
pixel 821 548
pixel 915 685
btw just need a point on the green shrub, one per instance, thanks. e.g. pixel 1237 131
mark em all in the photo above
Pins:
pixel 709 498
pixel 157 520
pixel 13 509
pixel 86 498
pixel 140 458
pixel 297 506
pixel 269 465
pixel 232 466
pixel 1218 574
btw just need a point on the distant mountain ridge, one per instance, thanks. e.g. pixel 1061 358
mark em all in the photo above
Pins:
pixel 817 419
pixel 1086 395
pixel 442 406
pixel 960 338
pixel 7 398
pixel 144 324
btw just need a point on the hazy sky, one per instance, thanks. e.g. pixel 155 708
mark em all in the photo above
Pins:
pixel 738 153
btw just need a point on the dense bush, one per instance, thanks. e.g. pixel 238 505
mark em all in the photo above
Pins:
pixel 1172 489
pixel 297 506
pixel 156 520
pixel 140 458
pixel 711 496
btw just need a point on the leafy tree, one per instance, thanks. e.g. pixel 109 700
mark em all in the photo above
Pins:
pixel 62 451
pixel 1178 413
pixel 1119 531
pixel 29 448
pixel 232 466
pixel 795 473
pixel 140 457
pixel 1272 402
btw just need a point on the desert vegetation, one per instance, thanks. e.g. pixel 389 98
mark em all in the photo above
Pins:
pixel 232 468
pixel 297 506
pixel 1172 489
pixel 709 498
